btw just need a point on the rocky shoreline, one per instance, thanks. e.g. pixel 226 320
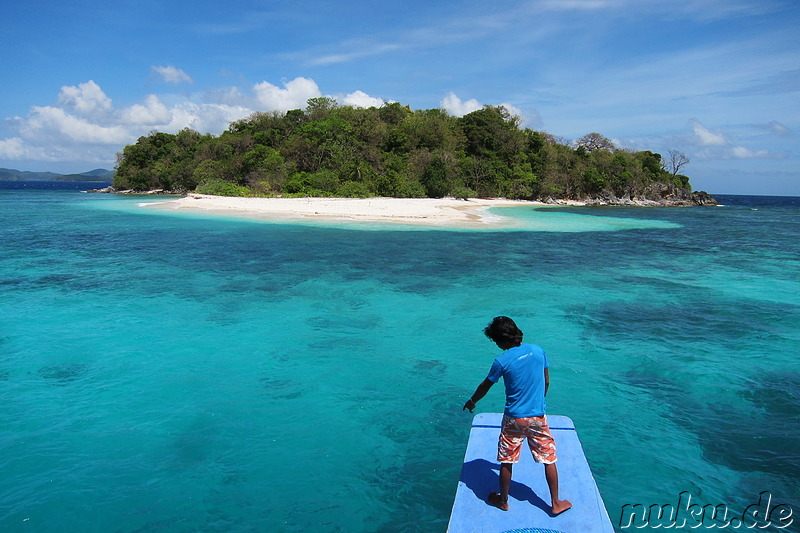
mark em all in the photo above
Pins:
pixel 668 199
pixel 655 195
pixel 112 190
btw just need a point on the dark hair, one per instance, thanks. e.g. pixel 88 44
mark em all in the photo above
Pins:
pixel 503 330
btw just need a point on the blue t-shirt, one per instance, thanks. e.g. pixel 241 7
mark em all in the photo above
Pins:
pixel 522 370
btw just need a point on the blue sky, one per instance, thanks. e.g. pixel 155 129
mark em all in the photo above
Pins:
pixel 716 79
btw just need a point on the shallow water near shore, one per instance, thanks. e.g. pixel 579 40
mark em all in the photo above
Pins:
pixel 535 217
pixel 192 373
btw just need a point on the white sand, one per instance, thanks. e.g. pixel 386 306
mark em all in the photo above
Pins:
pixel 447 212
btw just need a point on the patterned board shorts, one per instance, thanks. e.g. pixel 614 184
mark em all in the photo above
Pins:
pixel 536 430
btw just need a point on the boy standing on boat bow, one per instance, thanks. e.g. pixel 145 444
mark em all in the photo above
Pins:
pixel 524 369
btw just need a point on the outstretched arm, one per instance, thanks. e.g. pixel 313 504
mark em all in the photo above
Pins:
pixel 479 393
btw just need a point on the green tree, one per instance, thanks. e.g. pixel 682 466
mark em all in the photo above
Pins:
pixel 394 113
pixel 434 179
pixel 650 164
pixel 492 131
pixel 594 141
pixel 320 107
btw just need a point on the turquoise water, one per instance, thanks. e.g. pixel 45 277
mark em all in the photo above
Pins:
pixel 185 373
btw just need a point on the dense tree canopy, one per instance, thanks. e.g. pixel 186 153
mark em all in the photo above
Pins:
pixel 332 150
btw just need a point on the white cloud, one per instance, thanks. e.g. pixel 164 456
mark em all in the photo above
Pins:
pixel 56 125
pixel 704 10
pixel 170 74
pixel 18 149
pixel 707 137
pixel 362 99
pixel 513 110
pixel 85 127
pixel 740 152
pixel 294 96
pixel 152 112
pixel 455 106
pixel 14 148
pixel 717 145
pixel 213 118
pixel 361 51
pixel 87 99
pixel 228 96
pixel 774 127
pixel 332 59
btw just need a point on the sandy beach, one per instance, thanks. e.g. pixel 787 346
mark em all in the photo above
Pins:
pixel 446 212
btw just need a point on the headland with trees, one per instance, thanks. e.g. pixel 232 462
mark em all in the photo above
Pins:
pixel 330 150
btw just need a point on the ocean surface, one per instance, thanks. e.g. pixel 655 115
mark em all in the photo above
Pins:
pixel 183 373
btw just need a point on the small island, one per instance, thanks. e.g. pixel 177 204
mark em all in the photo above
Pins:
pixel 328 150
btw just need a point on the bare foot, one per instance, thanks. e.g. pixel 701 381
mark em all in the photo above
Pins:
pixel 559 506
pixel 494 499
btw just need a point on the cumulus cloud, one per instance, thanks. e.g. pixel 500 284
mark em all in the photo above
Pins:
pixel 84 126
pixel 170 74
pixel 457 107
pixel 362 99
pixel 294 96
pixel 57 125
pixel 211 118
pixel 152 112
pixel 15 148
pixel 513 110
pixel 85 99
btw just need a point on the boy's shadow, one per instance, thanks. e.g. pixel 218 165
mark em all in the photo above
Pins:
pixel 482 476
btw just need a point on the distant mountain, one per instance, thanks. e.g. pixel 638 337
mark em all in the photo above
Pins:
pixel 98 174
pixel 9 174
